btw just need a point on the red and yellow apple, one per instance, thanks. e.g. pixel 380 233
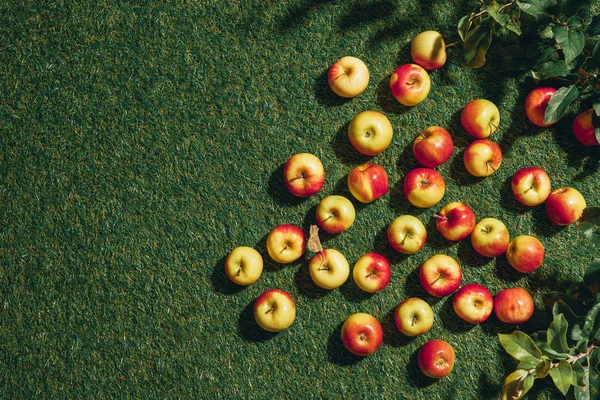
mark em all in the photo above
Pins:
pixel 490 237
pixel 482 157
pixel 440 275
pixel 455 221
pixel 243 265
pixel 362 334
pixel 370 132
pixel 433 146
pixel 565 206
pixel 480 118
pixel 368 182
pixel 413 316
pixel 424 187
pixel 525 253
pixel 410 84
pixel 372 272
pixel 274 310
pixel 473 303
pixel 513 306
pixel 536 103
pixel 531 186
pixel 348 77
pixel 584 130
pixel 335 214
pixel 428 49
pixel 407 234
pixel 286 243
pixel 436 358
pixel 329 269
pixel 303 174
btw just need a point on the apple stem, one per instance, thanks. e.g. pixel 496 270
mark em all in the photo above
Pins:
pixel 493 126
pixel 370 274
pixel 414 321
pixel 439 216
pixel 272 309
pixel 405 237
pixel 299 176
pixel 491 166
pixel 487 229
pixel 453 44
pixel 437 279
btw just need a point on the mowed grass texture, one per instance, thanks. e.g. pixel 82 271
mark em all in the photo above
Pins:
pixel 142 142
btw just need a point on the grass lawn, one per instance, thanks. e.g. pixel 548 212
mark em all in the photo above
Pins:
pixel 142 141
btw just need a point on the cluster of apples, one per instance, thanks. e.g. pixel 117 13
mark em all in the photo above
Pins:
pixel 370 133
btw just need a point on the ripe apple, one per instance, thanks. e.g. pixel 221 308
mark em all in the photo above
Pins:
pixel 243 265
pixel 473 303
pixel 362 334
pixel 372 272
pixel 303 174
pixel 368 182
pixel 584 130
pixel 490 237
pixel 407 234
pixel 424 187
pixel 531 186
pixel 410 84
pixel 565 206
pixel 436 358
pixel 513 306
pixel 433 146
pixel 335 214
pixel 428 49
pixel 480 118
pixel 348 77
pixel 370 132
pixel 440 275
pixel 329 269
pixel 286 243
pixel 274 310
pixel 413 316
pixel 525 253
pixel 455 221
pixel 482 157
pixel 536 103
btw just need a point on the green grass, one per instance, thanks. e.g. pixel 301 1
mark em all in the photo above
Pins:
pixel 142 143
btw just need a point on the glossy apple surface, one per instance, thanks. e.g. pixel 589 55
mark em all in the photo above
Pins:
pixel 455 221
pixel 565 206
pixel 490 237
pixel 362 334
pixel 303 174
pixel 368 182
pixel 433 146
pixel 473 303
pixel 335 214
pixel 513 306
pixel 424 187
pixel 583 129
pixel 274 310
pixel 370 132
pixel 428 49
pixel 243 265
pixel 348 77
pixel 286 243
pixel 413 316
pixel 525 253
pixel 372 272
pixel 410 84
pixel 407 234
pixel 482 158
pixel 531 186
pixel 329 269
pixel 536 103
pixel 436 358
pixel 440 275
pixel 480 118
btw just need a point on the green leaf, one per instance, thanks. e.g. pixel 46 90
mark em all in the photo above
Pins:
pixel 570 39
pixel 529 364
pixel 543 368
pixel 539 10
pixel 517 384
pixel 520 346
pixel 596 53
pixel 476 45
pixel 591 214
pixel 562 376
pixel 503 19
pixel 550 352
pixel 593 28
pixel 557 334
pixel 559 102
pixel 594 382
pixel 592 320
pixel 463 26
pixel 592 273
pixel 578 373
pixel 551 69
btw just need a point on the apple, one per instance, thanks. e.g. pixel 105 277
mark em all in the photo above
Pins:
pixel 348 77
pixel 455 221
pixel 410 84
pixel 370 132
pixel 368 182
pixel 406 234
pixel 274 310
pixel 480 118
pixel 565 206
pixel 303 174
pixel 525 253
pixel 513 306
pixel 428 49
pixel 536 103
pixel 584 130
pixel 436 358
pixel 531 186
pixel 286 243
pixel 413 316
pixel 372 272
pixel 473 303
pixel 424 187
pixel 482 157
pixel 243 265
pixel 362 334
pixel 433 146
pixel 490 237
pixel 440 275
pixel 335 214
pixel 329 269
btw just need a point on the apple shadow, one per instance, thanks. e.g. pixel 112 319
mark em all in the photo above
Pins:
pixel 310 218
pixel 459 173
pixel 305 285
pixel 509 203
pixel 279 192
pixel 419 379
pixel 337 353
pixel 450 320
pixel 468 255
pixel 324 94
pixel 391 335
pixel 352 292
pixel 382 246
pixel 505 271
pixel 400 204
pixel 413 287
pixel 542 224
pixel 249 329
pixel 344 150
pixel 385 100
pixel 221 283
pixel 435 238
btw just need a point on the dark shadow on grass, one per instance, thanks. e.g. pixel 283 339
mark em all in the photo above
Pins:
pixel 299 15
pixel 542 224
pixel 352 292
pixel 488 388
pixel 414 372
pixel 450 320
pixel 279 192
pixel 382 246
pixel 468 256
pixel 435 238
pixel 344 150
pixel 305 284
pixel 391 335
pixel 221 283
pixel 413 287
pixel 338 354
pixel 385 100
pixel 324 94
pixel 505 271
pixel 249 329
pixel 509 203
pixel 366 13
